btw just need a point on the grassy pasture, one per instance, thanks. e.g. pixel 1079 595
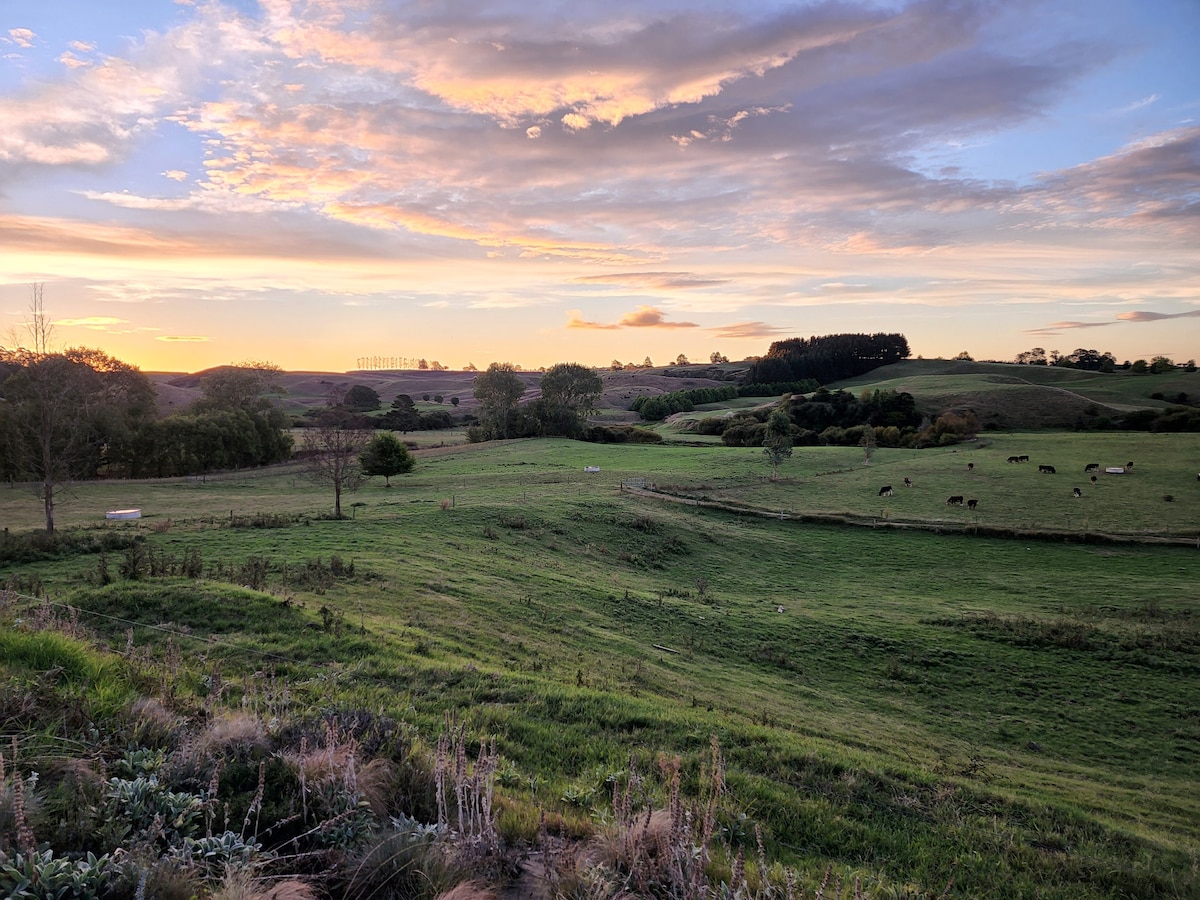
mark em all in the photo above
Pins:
pixel 1024 396
pixel 1020 717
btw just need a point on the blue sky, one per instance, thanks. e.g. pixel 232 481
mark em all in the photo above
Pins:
pixel 310 181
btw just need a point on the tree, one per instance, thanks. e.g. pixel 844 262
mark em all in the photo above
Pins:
pixel 454 401
pixel 569 393
pixel 868 443
pixel 403 415
pixel 66 414
pixel 470 367
pixel 647 363
pixel 386 455
pixel 616 365
pixel 361 398
pixel 330 456
pixel 1139 367
pixel 498 391
pixel 681 360
pixel 964 356
pixel 1034 357
pixel 717 357
pixel 777 442
pixel 1161 364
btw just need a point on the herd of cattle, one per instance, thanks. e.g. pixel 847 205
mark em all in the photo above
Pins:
pixel 959 499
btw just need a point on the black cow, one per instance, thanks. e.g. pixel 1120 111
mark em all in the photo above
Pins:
pixel 908 481
pixel 1091 467
pixel 885 491
pixel 1128 466
pixel 956 500
pixel 1076 492
pixel 970 467
pixel 971 504
pixel 1022 458
pixel 1014 459
pixel 1047 470
pixel 1094 479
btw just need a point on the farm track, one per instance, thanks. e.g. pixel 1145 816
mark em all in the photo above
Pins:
pixel 875 522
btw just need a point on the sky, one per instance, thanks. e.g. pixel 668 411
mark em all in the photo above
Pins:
pixel 312 183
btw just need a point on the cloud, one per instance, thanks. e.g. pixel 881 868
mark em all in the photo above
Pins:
pixel 1133 316
pixel 183 339
pixel 575 320
pixel 95 322
pixel 750 330
pixel 642 317
pixel 665 281
pixel 1147 316
pixel 175 174
pixel 651 317
pixel 22 37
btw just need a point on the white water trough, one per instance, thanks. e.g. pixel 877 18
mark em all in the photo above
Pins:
pixel 123 514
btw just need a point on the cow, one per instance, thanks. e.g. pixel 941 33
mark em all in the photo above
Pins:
pixel 1076 492
pixel 1047 470
pixel 956 500
pixel 1022 458
pixel 1128 466
pixel 1091 467
pixel 970 467
pixel 908 481
pixel 1094 479
pixel 1014 459
pixel 885 491
pixel 971 504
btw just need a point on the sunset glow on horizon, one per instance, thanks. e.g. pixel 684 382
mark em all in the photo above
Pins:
pixel 313 182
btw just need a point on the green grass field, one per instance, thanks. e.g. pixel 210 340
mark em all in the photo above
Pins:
pixel 1006 717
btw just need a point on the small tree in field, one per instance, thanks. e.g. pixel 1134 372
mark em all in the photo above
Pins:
pixel 386 455
pixel 868 443
pixel 777 444
pixel 330 457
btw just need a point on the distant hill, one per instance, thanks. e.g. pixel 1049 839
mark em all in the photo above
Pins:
pixel 1002 394
pixel 1012 396
pixel 308 390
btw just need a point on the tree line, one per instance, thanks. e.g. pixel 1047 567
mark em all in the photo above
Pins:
pixel 828 358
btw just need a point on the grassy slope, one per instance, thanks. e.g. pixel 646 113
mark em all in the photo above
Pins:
pixel 1014 396
pixel 922 708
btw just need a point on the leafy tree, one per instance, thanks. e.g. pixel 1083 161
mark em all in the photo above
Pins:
pixel 250 387
pixel 647 363
pixel 777 442
pixel 681 360
pixel 569 393
pixel 330 456
pixel 361 398
pixel 498 391
pixel 422 364
pixel 616 365
pixel 1139 367
pixel 454 401
pixel 1161 364
pixel 386 455
pixel 964 356
pixel 437 398
pixel 1034 357
pixel 717 357
pixel 403 415
pixel 470 367
pixel 65 415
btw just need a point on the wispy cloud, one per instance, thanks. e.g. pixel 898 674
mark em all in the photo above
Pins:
pixel 22 37
pixel 751 330
pixel 182 339
pixel 642 317
pixel 99 322
pixel 1147 316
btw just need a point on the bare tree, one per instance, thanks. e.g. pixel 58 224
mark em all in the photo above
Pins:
pixel 330 454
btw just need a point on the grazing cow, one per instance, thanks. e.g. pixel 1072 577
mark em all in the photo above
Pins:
pixel 1014 459
pixel 1091 467
pixel 1128 466
pixel 1094 479
pixel 1022 458
pixel 970 467
pixel 971 504
pixel 908 481
pixel 1047 470
pixel 1076 492
pixel 885 491
pixel 956 500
